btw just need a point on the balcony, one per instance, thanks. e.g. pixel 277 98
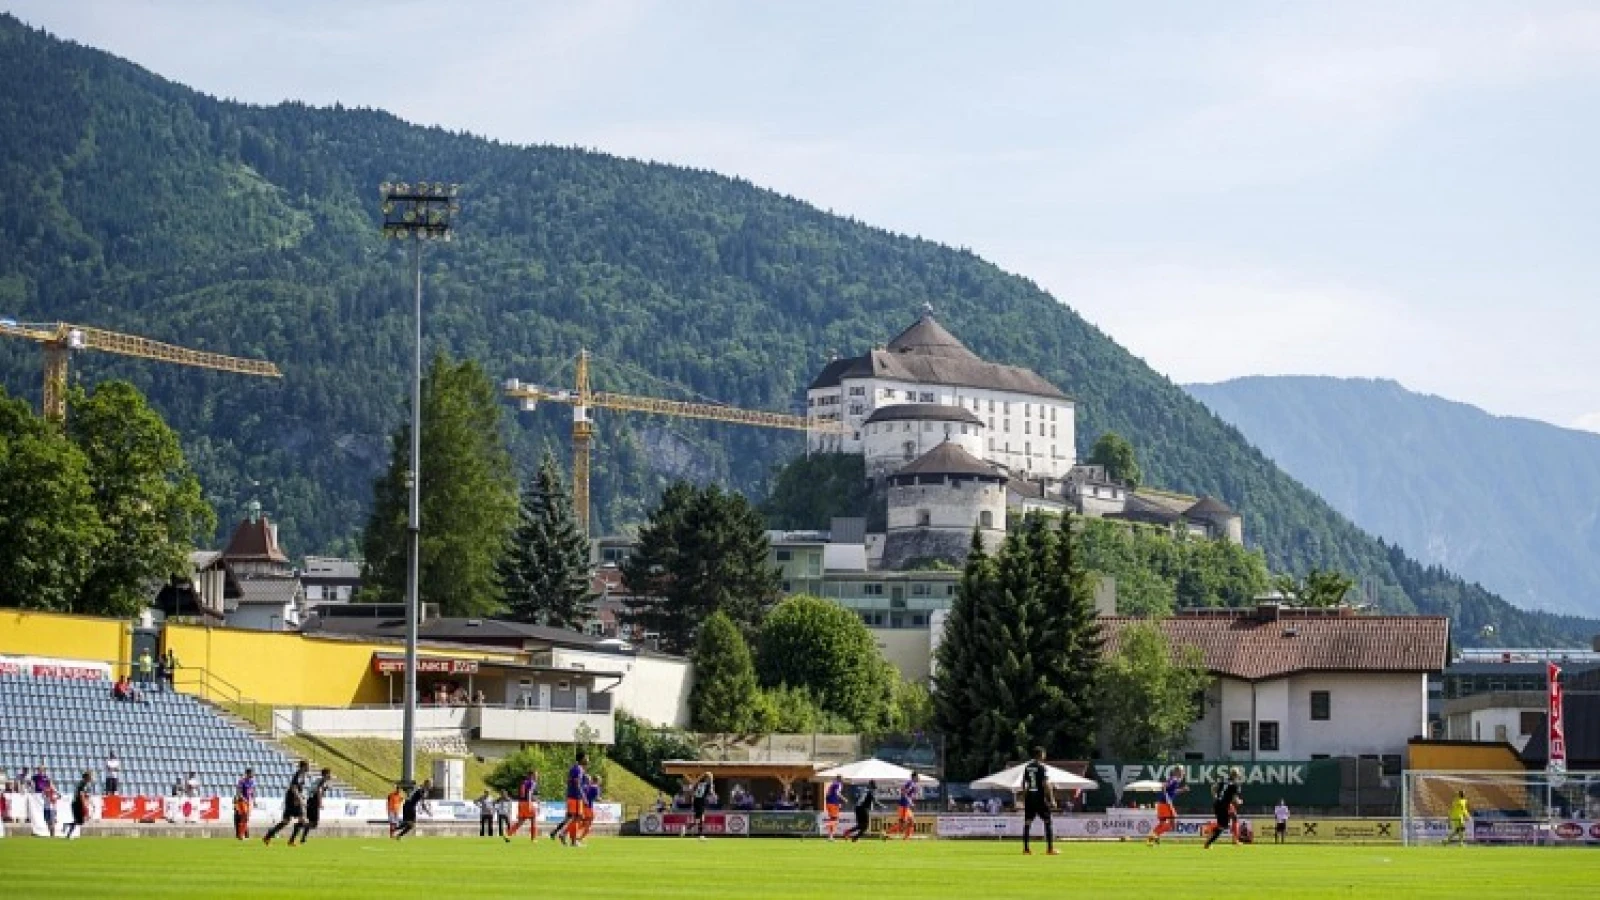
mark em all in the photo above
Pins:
pixel 488 723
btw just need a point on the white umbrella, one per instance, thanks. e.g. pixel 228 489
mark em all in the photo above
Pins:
pixel 1144 786
pixel 872 770
pixel 1011 779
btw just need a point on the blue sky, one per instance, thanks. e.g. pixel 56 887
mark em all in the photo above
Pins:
pixel 1378 189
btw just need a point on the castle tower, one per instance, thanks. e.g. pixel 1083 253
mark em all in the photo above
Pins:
pixel 895 436
pixel 936 501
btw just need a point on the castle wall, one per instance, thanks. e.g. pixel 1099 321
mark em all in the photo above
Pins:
pixel 889 446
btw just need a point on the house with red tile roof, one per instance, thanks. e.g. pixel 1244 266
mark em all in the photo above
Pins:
pixel 1295 684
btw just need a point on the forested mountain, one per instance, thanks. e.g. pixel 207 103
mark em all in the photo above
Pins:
pixel 1512 503
pixel 140 205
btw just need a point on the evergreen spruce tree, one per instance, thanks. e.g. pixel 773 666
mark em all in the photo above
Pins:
pixel 1016 664
pixel 544 575
pixel 725 693
pixel 704 550
pixel 469 497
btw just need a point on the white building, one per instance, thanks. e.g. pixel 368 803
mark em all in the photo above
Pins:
pixel 1296 684
pixel 1027 422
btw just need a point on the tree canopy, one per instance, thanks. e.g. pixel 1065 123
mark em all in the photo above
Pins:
pixel 1147 694
pixel 725 695
pixel 704 550
pixel 1113 451
pixel 819 646
pixel 50 528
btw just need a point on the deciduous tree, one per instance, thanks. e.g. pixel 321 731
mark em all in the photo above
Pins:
pixel 1147 694
pixel 49 526
pixel 148 500
pixel 816 644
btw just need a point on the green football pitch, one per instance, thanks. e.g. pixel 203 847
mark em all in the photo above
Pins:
pixel 660 868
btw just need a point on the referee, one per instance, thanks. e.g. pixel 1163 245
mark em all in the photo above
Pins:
pixel 1038 798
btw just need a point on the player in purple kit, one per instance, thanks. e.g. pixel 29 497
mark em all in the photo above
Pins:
pixel 46 791
pixel 832 802
pixel 577 781
pixel 527 807
pixel 244 799
pixel 906 822
pixel 1167 807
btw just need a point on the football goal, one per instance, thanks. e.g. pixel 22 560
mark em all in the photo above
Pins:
pixel 1503 807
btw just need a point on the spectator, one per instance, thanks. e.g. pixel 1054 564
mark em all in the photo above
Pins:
pixel 191 785
pixel 502 814
pixel 46 789
pixel 478 699
pixel 113 780
pixel 661 802
pixel 147 667
pixel 178 785
pixel 485 816
pixel 172 669
pixel 25 780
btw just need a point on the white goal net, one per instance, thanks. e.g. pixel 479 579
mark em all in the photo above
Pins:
pixel 1531 808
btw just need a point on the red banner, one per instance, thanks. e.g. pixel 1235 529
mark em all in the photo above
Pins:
pixel 153 809
pixel 1558 728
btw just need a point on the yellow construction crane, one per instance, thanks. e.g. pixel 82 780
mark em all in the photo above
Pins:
pixel 582 399
pixel 60 339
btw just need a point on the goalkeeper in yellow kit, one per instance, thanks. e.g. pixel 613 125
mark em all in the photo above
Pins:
pixel 1459 813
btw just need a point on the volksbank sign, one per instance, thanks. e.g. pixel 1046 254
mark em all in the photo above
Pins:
pixel 1310 783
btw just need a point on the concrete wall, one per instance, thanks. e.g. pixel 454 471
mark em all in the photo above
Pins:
pixel 264 617
pixel 908 649
pixel 948 506
pixel 884 443
pixel 28 633
pixel 491 724
pixel 653 688
pixel 1371 713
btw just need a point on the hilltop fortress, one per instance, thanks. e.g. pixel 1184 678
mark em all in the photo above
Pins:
pixel 955 443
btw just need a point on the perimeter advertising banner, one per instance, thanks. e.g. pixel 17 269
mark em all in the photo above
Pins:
pixel 1313 783
pixel 729 824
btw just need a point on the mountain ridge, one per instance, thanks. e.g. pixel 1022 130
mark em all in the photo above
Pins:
pixel 253 230
pixel 1510 501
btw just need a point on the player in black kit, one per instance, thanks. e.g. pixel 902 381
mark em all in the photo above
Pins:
pixel 1225 806
pixel 314 806
pixel 1038 798
pixel 294 805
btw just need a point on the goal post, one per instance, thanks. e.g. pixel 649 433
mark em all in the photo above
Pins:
pixel 1534 808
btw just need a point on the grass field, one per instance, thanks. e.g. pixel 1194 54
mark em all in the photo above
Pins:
pixel 661 868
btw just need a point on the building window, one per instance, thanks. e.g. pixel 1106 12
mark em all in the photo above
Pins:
pixel 924 518
pixel 1027 449
pixel 858 391
pixel 991 409
pixel 787 588
pixel 925 397
pixel 1027 409
pixel 1267 739
pixel 889 393
pixel 1321 706
pixel 950 590
pixel 991 445
pixel 1007 424
pixel 785 555
pixel 1052 413
pixel 1052 431
pixel 918 620
pixel 919 590
pixel 910 450
pixel 1529 722
pixel 872 590
pixel 963 428
pixel 1241 736
pixel 1007 407
pixel 1027 428
pixel 986 519
pixel 1391 764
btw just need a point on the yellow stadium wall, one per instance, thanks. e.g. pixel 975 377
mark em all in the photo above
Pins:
pixel 29 633
pixel 1460 756
pixel 287 669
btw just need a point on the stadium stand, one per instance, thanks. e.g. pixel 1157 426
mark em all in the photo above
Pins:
pixel 69 725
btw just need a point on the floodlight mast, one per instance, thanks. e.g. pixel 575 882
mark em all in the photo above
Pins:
pixel 416 212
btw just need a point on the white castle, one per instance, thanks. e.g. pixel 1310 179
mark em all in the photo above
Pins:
pixel 958 441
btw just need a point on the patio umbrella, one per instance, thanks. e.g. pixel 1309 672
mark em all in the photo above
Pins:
pixel 1143 787
pixel 1011 779
pixel 864 770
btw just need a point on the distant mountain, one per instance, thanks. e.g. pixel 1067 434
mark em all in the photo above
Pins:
pixel 1511 503
pixel 140 205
